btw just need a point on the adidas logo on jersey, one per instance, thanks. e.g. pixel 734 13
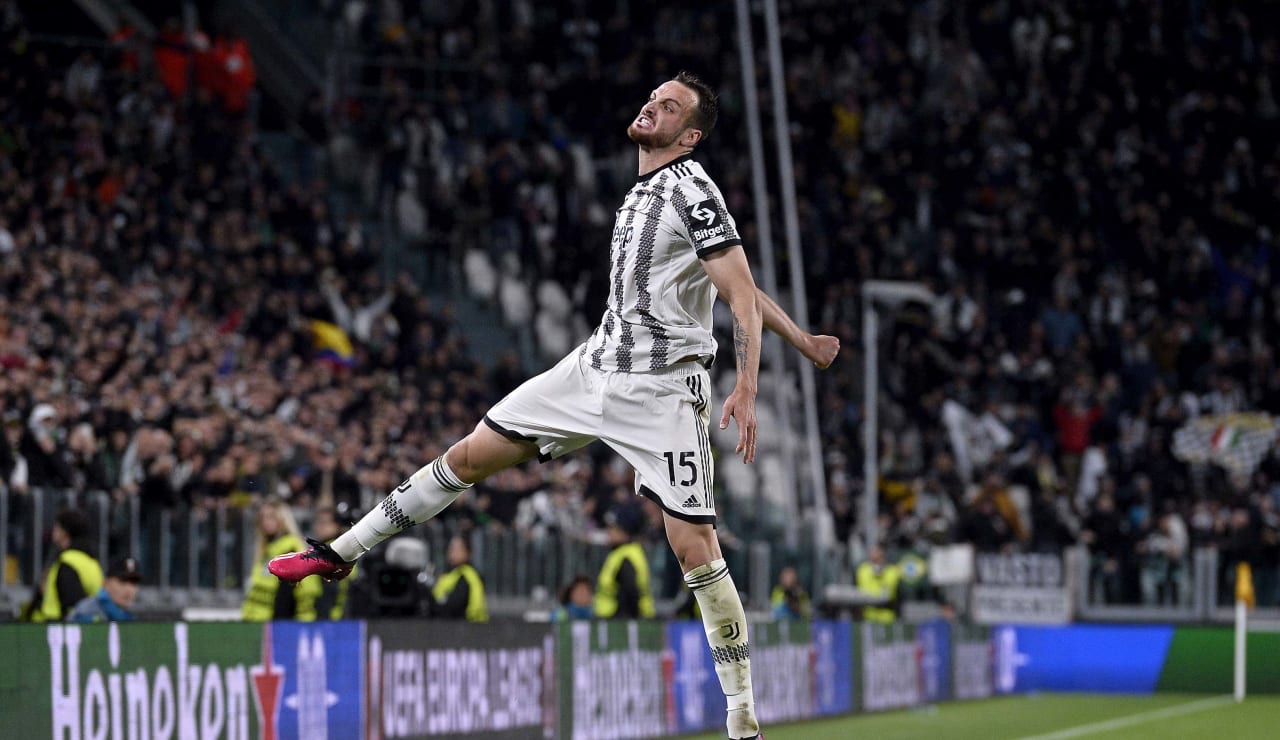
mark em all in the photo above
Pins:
pixel 690 503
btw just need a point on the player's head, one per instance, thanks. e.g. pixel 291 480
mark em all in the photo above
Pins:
pixel 680 113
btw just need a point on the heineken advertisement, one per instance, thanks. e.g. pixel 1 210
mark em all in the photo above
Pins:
pixel 137 680
pixel 613 680
pixel 215 680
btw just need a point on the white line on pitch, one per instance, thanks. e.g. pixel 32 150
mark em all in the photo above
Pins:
pixel 1177 710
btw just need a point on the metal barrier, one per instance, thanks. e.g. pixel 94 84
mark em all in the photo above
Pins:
pixel 205 555
pixel 1202 604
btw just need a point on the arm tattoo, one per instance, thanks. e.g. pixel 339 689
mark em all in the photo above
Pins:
pixel 740 343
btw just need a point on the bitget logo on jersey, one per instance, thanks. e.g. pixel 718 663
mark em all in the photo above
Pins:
pixel 703 213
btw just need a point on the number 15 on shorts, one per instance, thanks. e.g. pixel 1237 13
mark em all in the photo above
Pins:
pixel 687 465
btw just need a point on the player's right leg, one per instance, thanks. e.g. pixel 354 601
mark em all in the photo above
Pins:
pixel 425 494
pixel 548 415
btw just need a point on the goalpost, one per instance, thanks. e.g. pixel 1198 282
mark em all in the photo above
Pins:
pixel 889 293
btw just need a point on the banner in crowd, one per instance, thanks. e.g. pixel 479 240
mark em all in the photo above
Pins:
pixel 975 439
pixel 1134 659
pixel 1028 588
pixel 1237 442
pixel 454 679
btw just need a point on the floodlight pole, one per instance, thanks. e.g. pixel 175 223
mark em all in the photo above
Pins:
pixel 892 293
pixel 771 347
pixel 870 426
pixel 795 257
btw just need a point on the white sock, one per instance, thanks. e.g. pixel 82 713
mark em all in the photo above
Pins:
pixel 726 626
pixel 425 494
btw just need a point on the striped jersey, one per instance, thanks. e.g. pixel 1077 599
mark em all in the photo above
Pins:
pixel 660 298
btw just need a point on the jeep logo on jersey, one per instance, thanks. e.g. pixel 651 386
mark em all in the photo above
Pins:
pixel 703 212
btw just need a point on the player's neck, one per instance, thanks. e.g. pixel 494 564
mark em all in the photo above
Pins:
pixel 654 159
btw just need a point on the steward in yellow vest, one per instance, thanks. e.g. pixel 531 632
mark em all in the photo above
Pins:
pixel 878 579
pixel 622 589
pixel 459 594
pixel 268 598
pixel 73 575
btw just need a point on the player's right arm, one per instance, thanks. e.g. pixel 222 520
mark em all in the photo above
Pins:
pixel 820 349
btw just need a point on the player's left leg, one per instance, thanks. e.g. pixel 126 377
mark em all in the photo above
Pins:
pixel 723 617
pixel 658 422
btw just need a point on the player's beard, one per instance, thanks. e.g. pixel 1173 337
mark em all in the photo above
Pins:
pixel 651 139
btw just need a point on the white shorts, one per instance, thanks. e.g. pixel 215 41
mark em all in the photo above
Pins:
pixel 656 420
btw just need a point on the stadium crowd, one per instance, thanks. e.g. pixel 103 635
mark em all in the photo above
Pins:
pixel 161 284
pixel 1084 185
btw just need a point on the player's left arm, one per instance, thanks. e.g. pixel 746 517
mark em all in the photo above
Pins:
pixel 730 273
pixel 820 349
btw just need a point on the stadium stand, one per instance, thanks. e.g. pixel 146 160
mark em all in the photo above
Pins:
pixel 1086 186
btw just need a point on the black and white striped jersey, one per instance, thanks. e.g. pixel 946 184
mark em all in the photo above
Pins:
pixel 660 298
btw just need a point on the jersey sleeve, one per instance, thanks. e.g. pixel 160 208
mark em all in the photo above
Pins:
pixel 701 217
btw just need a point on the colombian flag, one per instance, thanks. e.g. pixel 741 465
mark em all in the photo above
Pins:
pixel 331 343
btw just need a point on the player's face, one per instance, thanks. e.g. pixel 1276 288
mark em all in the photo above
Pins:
pixel 663 119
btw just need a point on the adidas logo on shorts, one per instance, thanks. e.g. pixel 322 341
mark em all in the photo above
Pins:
pixel 690 503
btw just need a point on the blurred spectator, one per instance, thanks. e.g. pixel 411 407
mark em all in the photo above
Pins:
pixel 73 574
pixel 1165 562
pixel 789 599
pixel 575 601
pixel 985 526
pixel 878 579
pixel 44 450
pixel 268 598
pixel 623 587
pixel 112 602
pixel 1106 532
pixel 459 592
pixel 238 74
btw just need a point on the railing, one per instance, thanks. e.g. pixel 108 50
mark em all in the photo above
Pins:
pixel 198 556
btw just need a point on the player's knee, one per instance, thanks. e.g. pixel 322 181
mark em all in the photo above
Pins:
pixel 461 461
pixel 694 547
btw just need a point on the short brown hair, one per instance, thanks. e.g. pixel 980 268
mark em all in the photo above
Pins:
pixel 705 115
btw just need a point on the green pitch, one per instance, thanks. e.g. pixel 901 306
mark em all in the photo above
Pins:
pixel 1055 717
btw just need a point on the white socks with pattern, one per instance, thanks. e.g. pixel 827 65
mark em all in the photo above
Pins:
pixel 726 625
pixel 425 494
